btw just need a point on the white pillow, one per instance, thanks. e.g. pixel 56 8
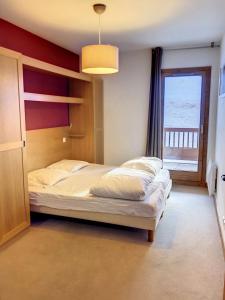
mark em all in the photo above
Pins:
pixel 69 165
pixel 149 164
pixel 156 162
pixel 123 183
pixel 46 176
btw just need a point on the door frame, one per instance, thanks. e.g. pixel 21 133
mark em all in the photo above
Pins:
pixel 186 177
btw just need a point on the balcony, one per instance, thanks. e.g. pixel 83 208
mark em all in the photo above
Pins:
pixel 180 149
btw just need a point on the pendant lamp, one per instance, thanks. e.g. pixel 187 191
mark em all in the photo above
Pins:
pixel 100 58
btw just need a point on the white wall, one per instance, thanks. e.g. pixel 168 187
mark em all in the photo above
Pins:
pixel 220 152
pixel 222 59
pixel 126 108
pixel 199 58
pixel 126 100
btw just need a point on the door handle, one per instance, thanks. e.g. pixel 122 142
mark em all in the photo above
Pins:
pixel 202 129
pixel 223 177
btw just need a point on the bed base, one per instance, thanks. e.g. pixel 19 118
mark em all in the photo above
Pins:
pixel 146 223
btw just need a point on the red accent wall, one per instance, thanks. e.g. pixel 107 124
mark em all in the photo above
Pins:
pixel 39 114
pixel 46 115
pixel 18 39
pixel 45 83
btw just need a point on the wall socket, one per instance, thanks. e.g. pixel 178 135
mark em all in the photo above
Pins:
pixel 64 139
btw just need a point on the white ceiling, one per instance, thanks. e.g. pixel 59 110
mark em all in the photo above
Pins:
pixel 129 24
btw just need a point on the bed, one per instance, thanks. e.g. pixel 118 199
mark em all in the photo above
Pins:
pixel 71 197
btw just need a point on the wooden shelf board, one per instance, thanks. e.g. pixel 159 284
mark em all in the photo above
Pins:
pixel 38 64
pixel 50 98
pixel 10 53
pixel 77 136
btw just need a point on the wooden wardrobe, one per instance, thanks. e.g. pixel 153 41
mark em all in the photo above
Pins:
pixel 14 206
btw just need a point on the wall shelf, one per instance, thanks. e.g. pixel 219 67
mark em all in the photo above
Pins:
pixel 50 98
pixel 77 136
pixel 38 64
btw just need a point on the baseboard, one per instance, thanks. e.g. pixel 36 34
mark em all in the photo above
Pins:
pixel 8 236
pixel 221 226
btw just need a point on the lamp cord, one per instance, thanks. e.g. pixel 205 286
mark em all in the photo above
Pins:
pixel 99 29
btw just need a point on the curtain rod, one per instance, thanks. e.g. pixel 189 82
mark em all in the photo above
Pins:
pixel 213 45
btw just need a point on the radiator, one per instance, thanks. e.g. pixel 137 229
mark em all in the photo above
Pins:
pixel 211 177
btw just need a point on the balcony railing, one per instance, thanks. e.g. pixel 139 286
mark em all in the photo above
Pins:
pixel 181 143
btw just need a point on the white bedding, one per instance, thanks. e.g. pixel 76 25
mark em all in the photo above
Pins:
pixel 73 193
pixel 124 183
pixel 151 165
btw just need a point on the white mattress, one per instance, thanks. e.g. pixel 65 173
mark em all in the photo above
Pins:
pixel 73 193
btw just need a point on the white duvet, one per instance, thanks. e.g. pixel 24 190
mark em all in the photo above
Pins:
pixel 73 193
pixel 124 183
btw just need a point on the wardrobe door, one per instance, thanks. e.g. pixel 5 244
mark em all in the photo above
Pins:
pixel 14 211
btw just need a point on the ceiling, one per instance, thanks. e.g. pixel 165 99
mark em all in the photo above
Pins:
pixel 129 24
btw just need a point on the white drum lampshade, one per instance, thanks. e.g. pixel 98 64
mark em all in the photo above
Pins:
pixel 100 59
